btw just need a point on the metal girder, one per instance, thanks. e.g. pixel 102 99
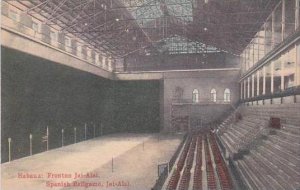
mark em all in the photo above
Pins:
pixel 228 25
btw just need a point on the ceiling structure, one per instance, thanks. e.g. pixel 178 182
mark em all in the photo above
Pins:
pixel 123 27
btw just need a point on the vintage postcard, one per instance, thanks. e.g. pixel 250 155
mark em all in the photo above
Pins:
pixel 150 95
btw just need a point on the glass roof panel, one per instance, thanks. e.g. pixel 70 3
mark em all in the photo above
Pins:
pixel 148 10
pixel 181 45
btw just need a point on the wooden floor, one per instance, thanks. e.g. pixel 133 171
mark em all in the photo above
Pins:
pixel 135 159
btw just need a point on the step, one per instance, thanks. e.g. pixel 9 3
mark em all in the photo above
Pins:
pixel 250 122
pixel 228 146
pixel 284 177
pixel 291 128
pixel 234 137
pixel 281 163
pixel 261 172
pixel 290 158
pixel 239 129
pixel 266 114
pixel 247 126
pixel 295 138
pixel 284 144
pixel 276 176
pixel 292 121
pixel 251 176
pixel 246 180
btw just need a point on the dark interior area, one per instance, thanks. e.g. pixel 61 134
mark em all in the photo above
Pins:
pixel 37 93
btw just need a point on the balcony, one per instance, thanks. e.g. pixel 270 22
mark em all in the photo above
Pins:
pixel 201 101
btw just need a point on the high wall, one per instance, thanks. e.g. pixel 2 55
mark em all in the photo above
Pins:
pixel 204 81
pixel 176 62
pixel 37 93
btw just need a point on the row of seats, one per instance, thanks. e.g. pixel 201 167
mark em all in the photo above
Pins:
pixel 242 132
pixel 173 182
pixel 185 179
pixel 197 184
pixel 211 180
pixel 181 176
pixel 222 170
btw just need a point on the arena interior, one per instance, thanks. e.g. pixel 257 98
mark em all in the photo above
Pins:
pixel 150 94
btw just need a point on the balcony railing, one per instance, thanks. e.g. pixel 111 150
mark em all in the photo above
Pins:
pixel 19 27
pixel 292 91
pixel 199 101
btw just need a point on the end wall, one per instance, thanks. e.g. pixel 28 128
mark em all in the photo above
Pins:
pixel 204 81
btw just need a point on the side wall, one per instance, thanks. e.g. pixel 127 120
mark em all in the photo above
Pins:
pixel 37 93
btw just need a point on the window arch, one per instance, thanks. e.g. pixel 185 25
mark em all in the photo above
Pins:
pixel 227 95
pixel 195 97
pixel 213 95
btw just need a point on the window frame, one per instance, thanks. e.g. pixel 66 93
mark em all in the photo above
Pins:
pixel 227 95
pixel 195 95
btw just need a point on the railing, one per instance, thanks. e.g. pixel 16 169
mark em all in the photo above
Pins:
pixel 228 115
pixel 19 27
pixel 161 180
pixel 199 101
pixel 49 137
pixel 287 92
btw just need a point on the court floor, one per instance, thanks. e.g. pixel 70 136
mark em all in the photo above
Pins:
pixel 119 161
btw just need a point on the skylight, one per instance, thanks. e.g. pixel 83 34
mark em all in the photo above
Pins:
pixel 149 10
pixel 181 45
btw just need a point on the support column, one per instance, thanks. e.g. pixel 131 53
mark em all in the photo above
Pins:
pixel 298 64
pixel 257 84
pixel 253 85
pixel 273 31
pixel 283 20
pixel 264 80
pixel 47 138
pixel 281 74
pixel 244 88
pixel 248 93
pixel 241 86
pixel 272 77
pixel 297 19
pixel 30 144
pixel 9 149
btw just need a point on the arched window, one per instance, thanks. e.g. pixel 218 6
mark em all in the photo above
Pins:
pixel 226 95
pixel 213 95
pixel 195 96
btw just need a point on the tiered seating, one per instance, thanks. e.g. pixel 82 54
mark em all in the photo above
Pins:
pixel 185 179
pixel 274 163
pixel 226 123
pixel 197 170
pixel 221 167
pixel 242 133
pixel 173 182
pixel 211 180
pixel 181 176
pixel 288 113
pixel 183 155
